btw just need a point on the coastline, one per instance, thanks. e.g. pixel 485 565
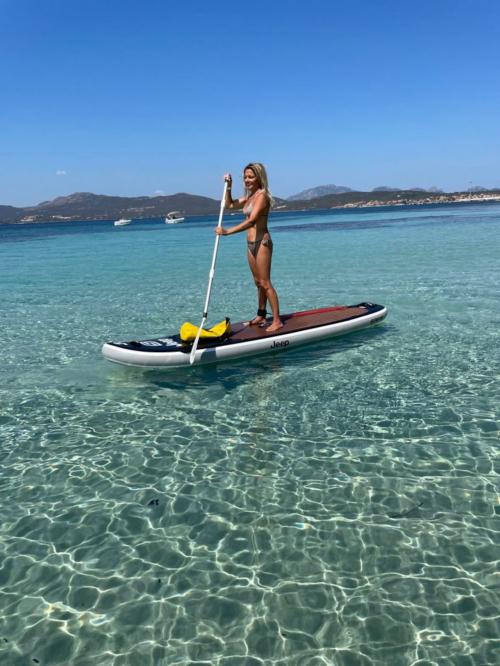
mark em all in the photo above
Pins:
pixel 321 203
pixel 442 199
pixel 401 200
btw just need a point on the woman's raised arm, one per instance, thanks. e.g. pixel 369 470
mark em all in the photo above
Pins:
pixel 230 202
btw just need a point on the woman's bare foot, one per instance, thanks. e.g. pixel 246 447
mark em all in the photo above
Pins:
pixel 275 326
pixel 257 321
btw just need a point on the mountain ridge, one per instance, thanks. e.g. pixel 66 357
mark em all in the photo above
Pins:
pixel 81 206
pixel 319 191
pixel 89 206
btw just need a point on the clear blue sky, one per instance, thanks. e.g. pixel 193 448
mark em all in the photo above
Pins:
pixel 137 97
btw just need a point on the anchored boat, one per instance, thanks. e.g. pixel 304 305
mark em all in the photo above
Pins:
pixel 174 217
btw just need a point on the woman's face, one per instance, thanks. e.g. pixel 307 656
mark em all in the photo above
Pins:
pixel 250 180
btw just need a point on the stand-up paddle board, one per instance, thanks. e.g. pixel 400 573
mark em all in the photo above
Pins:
pixel 245 340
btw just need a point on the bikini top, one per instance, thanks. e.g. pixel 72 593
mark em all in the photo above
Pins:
pixel 249 207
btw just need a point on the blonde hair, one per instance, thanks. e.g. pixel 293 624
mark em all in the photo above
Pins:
pixel 261 173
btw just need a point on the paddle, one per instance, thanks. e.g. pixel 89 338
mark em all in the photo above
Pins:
pixel 210 279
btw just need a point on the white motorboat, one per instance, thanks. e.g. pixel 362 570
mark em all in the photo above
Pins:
pixel 174 217
pixel 122 222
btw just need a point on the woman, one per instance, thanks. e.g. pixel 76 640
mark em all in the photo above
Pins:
pixel 256 204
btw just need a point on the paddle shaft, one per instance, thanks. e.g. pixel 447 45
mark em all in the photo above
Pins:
pixel 210 278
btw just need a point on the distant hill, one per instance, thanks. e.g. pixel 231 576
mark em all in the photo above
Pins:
pixel 320 191
pixel 355 198
pixel 385 188
pixel 8 212
pixel 383 197
pixel 326 190
pixel 88 206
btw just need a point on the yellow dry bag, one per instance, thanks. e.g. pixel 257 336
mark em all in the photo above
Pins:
pixel 189 331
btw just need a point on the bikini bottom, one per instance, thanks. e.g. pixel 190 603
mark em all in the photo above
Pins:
pixel 253 246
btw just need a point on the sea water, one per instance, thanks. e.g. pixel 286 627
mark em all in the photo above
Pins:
pixel 334 504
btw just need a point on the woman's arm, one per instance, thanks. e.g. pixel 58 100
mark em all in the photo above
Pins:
pixel 260 203
pixel 234 203
pixel 230 202
pixel 246 224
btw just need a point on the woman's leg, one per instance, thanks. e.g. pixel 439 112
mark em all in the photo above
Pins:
pixel 261 293
pixel 263 266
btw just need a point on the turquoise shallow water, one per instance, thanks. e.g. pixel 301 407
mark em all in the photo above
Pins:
pixel 341 508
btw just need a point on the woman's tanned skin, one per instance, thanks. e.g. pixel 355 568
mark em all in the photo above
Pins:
pixel 256 204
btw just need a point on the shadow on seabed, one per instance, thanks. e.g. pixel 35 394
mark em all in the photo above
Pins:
pixel 232 374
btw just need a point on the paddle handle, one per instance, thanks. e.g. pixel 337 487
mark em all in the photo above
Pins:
pixel 211 275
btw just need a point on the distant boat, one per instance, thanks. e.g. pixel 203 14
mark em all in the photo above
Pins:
pixel 122 222
pixel 174 217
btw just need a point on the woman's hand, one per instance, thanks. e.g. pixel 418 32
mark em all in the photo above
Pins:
pixel 228 179
pixel 220 231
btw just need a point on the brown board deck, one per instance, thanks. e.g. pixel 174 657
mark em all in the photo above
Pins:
pixel 298 321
